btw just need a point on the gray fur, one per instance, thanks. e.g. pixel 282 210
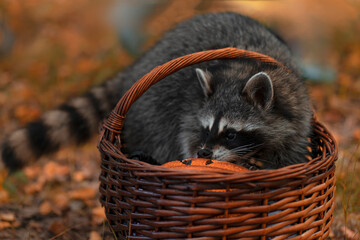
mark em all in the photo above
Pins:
pixel 285 138
pixel 204 78
pixel 165 121
pixel 260 90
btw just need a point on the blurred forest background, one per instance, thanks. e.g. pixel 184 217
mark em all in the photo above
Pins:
pixel 51 51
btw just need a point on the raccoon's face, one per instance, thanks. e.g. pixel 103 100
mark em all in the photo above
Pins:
pixel 229 140
pixel 258 119
pixel 230 126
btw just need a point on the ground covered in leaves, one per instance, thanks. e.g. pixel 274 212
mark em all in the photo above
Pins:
pixel 56 200
pixel 51 51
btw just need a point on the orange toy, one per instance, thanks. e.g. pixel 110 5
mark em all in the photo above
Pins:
pixel 204 164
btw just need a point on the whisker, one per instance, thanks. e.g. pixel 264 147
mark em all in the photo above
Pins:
pixel 245 148
pixel 242 151
pixel 242 146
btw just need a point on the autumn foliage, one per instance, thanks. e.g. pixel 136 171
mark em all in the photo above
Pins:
pixel 51 51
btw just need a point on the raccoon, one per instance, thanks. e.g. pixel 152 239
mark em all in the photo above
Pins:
pixel 242 111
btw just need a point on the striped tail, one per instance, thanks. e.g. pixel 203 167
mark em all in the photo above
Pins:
pixel 72 122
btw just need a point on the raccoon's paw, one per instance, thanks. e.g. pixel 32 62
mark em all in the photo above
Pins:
pixel 144 157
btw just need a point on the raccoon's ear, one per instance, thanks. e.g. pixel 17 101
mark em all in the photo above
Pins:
pixel 205 81
pixel 259 90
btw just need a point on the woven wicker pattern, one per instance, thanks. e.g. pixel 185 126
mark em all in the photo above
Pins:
pixel 143 201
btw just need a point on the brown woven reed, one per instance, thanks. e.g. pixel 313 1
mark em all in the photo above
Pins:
pixel 144 201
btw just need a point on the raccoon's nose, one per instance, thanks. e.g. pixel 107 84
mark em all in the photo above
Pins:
pixel 205 153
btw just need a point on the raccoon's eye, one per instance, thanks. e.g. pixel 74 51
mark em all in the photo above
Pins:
pixel 230 136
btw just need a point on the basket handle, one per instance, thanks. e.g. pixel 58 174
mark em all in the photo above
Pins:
pixel 115 121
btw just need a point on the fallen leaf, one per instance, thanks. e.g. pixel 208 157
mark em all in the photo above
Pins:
pixel 27 113
pixel 83 194
pixel 57 227
pixel 45 208
pixel 54 170
pixel 78 176
pixel 4 225
pixel 357 134
pixel 32 172
pixel 61 201
pixel 8 217
pixel 98 215
pixel 350 234
pixel 94 236
pixel 4 196
pixel 35 186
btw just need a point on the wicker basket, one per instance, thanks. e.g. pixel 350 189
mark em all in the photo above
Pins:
pixel 144 201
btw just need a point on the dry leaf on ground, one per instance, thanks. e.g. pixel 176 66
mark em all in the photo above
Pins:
pixel 94 236
pixel 98 215
pixel 53 170
pixel 4 196
pixel 8 217
pixel 61 200
pixel 4 225
pixel 33 172
pixel 35 187
pixel 357 134
pixel 45 208
pixel 27 113
pixel 350 234
pixel 57 227
pixel 83 194
pixel 78 176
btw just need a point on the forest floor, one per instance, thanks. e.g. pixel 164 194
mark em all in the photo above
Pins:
pixel 58 51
